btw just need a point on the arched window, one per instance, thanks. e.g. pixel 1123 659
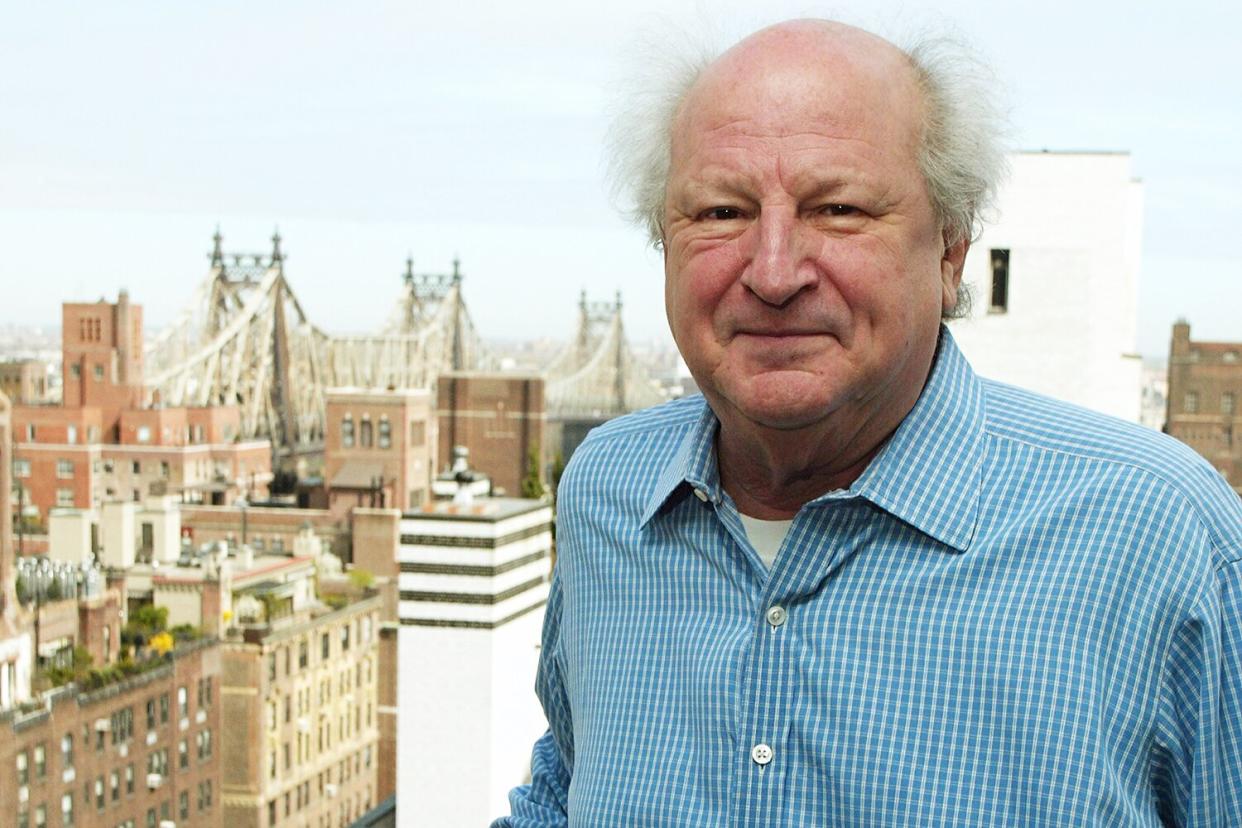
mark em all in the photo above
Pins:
pixel 364 434
pixel 347 432
pixel 385 433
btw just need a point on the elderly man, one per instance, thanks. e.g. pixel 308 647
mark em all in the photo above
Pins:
pixel 853 584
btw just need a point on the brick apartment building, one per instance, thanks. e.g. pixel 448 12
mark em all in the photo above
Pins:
pixel 300 698
pixel 140 751
pixel 378 449
pixel 1205 389
pixel 500 418
pixel 103 442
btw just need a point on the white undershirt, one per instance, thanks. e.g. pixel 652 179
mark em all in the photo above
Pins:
pixel 765 535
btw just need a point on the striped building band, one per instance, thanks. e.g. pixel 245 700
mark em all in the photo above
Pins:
pixel 1021 613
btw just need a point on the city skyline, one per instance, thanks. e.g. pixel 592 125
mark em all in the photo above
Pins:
pixel 374 133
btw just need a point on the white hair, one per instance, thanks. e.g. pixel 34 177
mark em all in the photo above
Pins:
pixel 961 152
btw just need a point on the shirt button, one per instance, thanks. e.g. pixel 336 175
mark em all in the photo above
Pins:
pixel 777 615
pixel 761 754
pixel 701 495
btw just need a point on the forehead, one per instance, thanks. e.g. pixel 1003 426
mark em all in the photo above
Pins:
pixel 806 79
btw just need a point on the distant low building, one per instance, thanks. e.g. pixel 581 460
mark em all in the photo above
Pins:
pixel 1205 388
pixel 500 419
pixel 24 381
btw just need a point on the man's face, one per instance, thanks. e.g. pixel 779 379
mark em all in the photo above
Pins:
pixel 805 270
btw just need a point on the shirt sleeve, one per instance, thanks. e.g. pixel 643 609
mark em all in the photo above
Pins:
pixel 1197 767
pixel 545 801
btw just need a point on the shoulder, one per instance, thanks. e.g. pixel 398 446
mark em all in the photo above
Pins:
pixel 1116 460
pixel 631 451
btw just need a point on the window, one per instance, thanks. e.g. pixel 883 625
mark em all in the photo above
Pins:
pixel 151 713
pixel 99 793
pixel 271 666
pixel 344 638
pixel 203 741
pixel 1227 403
pixel 66 810
pixel 71 434
pixel 183 703
pixel 99 374
pixel 122 725
pixel 1191 402
pixel 129 778
pixel 325 646
pixel 1000 282
pixel 150 818
pixel 66 750
pixel 40 761
pixel 21 468
pixel 183 805
pixel 303 654
pixel 64 469
pixel 23 769
pixel 114 782
pixel 347 432
pixel 64 497
pixel 144 436
pixel 164 468
pixel 75 370
pixel 30 432
pixel 204 692
pixel 385 433
pixel 271 765
pixel 136 467
pixel 183 754
pixel 288 709
pixel 364 434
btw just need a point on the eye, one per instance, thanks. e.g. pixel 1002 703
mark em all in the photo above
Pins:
pixel 840 210
pixel 720 214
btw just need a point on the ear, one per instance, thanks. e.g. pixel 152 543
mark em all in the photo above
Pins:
pixel 951 264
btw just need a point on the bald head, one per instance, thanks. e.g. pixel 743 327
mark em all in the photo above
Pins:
pixel 827 71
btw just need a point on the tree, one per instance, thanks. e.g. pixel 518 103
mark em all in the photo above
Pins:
pixel 532 483
pixel 361 578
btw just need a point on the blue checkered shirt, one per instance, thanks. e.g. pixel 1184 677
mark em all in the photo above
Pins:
pixel 1022 613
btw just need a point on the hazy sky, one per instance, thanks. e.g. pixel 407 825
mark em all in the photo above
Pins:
pixel 369 131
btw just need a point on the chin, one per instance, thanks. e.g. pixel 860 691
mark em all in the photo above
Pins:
pixel 783 400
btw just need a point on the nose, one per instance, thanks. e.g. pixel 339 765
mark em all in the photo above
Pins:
pixel 778 266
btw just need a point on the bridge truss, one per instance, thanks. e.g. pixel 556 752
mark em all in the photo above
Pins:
pixel 245 340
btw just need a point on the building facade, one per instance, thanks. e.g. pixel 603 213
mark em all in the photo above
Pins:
pixel 24 381
pixel 378 449
pixel 473 585
pixel 300 697
pixel 1205 389
pixel 500 418
pixel 139 751
pixel 103 442
pixel 1056 290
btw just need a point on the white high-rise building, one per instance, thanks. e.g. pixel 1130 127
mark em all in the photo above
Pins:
pixel 473 584
pixel 1055 282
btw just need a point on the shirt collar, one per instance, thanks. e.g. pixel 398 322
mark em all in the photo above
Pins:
pixel 926 475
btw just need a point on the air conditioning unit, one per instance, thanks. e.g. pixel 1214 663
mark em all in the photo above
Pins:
pixel 200 716
pixel 329 789
pixel 123 749
pixel 167 823
pixel 154 780
pixel 103 725
pixel 150 737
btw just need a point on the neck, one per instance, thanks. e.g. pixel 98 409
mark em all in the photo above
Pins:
pixel 770 474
